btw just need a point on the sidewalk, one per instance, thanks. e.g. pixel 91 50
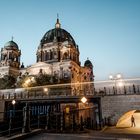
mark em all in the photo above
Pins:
pixel 128 130
pixel 117 133
pixel 22 136
pixel 107 132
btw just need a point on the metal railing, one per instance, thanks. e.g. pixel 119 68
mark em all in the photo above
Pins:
pixel 61 90
pixel 119 87
pixel 26 120
pixel 124 90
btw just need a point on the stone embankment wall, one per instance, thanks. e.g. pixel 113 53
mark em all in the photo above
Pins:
pixel 2 105
pixel 113 107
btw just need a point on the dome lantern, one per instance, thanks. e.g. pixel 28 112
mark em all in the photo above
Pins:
pixel 57 25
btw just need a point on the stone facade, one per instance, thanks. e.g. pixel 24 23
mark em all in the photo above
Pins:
pixel 114 107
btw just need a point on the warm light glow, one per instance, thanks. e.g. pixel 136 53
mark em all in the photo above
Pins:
pixel 125 119
pixel 67 110
pixel 118 76
pixel 125 81
pixel 27 81
pixel 45 89
pixel 84 100
pixel 13 102
pixel 64 49
pixel 120 84
pixel 57 25
pixel 110 77
pixel 32 78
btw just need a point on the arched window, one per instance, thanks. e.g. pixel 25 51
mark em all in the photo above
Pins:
pixel 10 56
pixel 46 56
pixel 55 54
pixel 65 56
pixel 51 55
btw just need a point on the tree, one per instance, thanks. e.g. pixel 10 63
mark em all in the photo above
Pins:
pixel 26 81
pixel 43 79
pixel 7 82
pixel 39 80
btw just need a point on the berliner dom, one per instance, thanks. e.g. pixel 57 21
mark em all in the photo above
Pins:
pixel 57 56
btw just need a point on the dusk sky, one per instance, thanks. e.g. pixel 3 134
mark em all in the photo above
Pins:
pixel 106 31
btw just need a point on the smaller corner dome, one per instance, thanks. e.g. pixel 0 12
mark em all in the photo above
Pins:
pixel 88 63
pixel 11 44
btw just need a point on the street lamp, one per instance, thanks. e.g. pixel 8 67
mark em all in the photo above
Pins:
pixel 115 79
pixel 84 100
pixel 13 102
pixel 12 113
pixel 46 91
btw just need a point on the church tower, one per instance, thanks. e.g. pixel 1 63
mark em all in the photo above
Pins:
pixel 10 59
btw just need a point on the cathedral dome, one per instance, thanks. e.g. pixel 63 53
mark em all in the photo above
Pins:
pixel 10 45
pixel 58 35
pixel 88 63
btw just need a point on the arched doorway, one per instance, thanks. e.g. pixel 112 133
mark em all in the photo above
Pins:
pixel 125 120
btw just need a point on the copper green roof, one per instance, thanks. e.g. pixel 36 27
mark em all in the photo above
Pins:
pixel 58 34
pixel 11 44
pixel 88 63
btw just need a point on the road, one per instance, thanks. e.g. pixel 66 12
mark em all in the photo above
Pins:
pixel 46 136
pixel 108 133
pixel 87 136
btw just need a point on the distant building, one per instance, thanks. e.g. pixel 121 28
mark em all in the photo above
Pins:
pixel 57 55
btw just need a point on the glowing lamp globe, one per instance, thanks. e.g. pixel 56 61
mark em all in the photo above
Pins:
pixel 13 102
pixel 84 100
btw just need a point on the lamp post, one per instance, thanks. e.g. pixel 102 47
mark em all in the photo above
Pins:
pixel 115 79
pixel 26 119
pixel 13 103
pixel 12 112
pixel 83 100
